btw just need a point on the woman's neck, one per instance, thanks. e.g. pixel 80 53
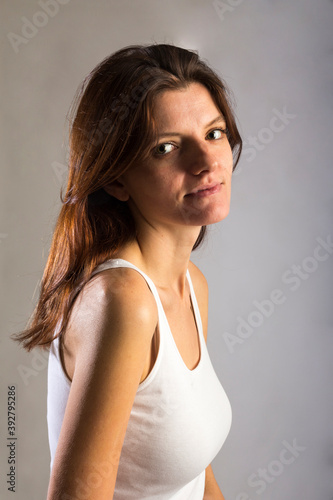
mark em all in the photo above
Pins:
pixel 163 255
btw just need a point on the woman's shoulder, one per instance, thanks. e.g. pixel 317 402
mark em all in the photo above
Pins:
pixel 117 282
pixel 110 297
pixel 198 278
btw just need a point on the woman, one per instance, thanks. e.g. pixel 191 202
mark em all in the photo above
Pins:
pixel 135 409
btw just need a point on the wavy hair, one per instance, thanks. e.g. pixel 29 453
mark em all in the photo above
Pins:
pixel 111 128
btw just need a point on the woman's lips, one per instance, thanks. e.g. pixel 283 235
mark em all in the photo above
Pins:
pixel 206 192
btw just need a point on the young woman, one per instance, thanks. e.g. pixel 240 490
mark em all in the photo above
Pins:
pixel 135 409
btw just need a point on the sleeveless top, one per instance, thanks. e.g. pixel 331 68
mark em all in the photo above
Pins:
pixel 179 420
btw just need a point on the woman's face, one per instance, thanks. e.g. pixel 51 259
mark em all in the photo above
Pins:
pixel 187 178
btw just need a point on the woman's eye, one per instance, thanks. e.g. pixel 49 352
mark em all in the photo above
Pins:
pixel 217 133
pixel 164 148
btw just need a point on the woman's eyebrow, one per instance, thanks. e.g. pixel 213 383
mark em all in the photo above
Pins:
pixel 218 119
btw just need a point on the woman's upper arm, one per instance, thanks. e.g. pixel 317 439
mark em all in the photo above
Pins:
pixel 212 490
pixel 112 327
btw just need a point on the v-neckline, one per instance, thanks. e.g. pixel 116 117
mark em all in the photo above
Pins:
pixel 197 325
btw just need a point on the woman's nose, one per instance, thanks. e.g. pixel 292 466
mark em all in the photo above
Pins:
pixel 201 158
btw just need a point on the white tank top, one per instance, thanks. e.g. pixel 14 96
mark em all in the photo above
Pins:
pixel 179 420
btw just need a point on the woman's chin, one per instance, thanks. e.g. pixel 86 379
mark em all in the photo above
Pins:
pixel 214 216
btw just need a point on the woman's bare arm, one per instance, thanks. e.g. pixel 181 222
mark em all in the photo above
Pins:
pixel 112 326
pixel 212 490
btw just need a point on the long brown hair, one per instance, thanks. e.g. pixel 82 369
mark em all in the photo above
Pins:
pixel 111 128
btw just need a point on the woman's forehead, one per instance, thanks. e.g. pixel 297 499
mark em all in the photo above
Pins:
pixel 190 105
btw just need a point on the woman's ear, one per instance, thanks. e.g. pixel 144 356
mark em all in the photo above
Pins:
pixel 118 190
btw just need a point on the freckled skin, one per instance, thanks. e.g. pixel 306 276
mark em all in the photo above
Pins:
pixel 194 154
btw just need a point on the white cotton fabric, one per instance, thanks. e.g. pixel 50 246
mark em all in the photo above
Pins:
pixel 179 420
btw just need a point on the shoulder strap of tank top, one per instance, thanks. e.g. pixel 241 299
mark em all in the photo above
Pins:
pixel 112 263
pixel 195 304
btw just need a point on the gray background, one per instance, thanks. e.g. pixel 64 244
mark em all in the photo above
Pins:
pixel 277 58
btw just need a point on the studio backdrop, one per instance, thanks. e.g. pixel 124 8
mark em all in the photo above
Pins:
pixel 268 264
